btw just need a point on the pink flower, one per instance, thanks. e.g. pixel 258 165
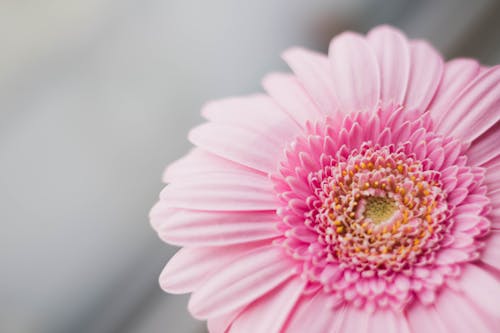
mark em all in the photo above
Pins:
pixel 360 194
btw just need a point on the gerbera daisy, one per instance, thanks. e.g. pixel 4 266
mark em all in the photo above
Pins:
pixel 359 194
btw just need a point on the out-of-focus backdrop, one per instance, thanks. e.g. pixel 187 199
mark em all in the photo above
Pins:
pixel 96 97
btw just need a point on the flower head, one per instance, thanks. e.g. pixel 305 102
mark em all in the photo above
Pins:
pixel 361 193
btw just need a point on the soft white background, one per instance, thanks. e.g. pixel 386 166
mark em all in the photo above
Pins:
pixel 96 97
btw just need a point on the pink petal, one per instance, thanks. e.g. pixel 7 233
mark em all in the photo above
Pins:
pixel 482 289
pixel 448 256
pixel 492 174
pixel 385 321
pixel 312 314
pixel 424 318
pixel 212 228
pixel 355 73
pixel 458 315
pixel 221 191
pixel 270 312
pixel 244 146
pixel 485 148
pixel 425 75
pixel 313 71
pixel 189 267
pixel 393 55
pixel 461 240
pixel 491 252
pixel 241 282
pixel 458 73
pixel 355 320
pixel 291 96
pixel 221 324
pixel 465 222
pixel 475 110
pixel 259 113
pixel 200 161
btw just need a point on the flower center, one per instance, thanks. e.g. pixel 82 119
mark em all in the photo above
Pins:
pixel 371 214
pixel 379 209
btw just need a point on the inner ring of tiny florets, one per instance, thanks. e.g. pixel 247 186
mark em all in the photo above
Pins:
pixel 381 210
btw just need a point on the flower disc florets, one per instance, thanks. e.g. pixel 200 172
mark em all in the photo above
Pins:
pixel 376 208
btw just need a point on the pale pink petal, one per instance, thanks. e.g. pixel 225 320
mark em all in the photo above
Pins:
pixel 491 252
pixel 355 73
pixel 221 191
pixel 312 314
pixel 291 96
pixel 448 256
pixel 393 55
pixel 485 148
pixel 247 147
pixel 189 267
pixel 259 113
pixel 270 313
pixel 424 318
pixel 475 110
pixel 458 315
pixel 465 222
pixel 403 324
pixel 198 161
pixel 212 228
pixel 313 71
pixel 385 321
pixel 222 323
pixel 482 288
pixel 157 215
pixel 492 174
pixel 355 320
pixel 425 75
pixel 241 282
pixel 458 73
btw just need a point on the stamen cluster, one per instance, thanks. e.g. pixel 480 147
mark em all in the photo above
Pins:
pixel 381 211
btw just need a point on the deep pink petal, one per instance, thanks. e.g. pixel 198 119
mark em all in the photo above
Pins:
pixel 241 282
pixel 355 73
pixel 425 75
pixel 270 313
pixel 313 71
pixel 393 55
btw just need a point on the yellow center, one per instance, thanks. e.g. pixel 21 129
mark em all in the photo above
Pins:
pixel 379 209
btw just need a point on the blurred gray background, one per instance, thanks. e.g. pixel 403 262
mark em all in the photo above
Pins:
pixel 97 96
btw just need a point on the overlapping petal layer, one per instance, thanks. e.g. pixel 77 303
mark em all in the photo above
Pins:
pixel 361 194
